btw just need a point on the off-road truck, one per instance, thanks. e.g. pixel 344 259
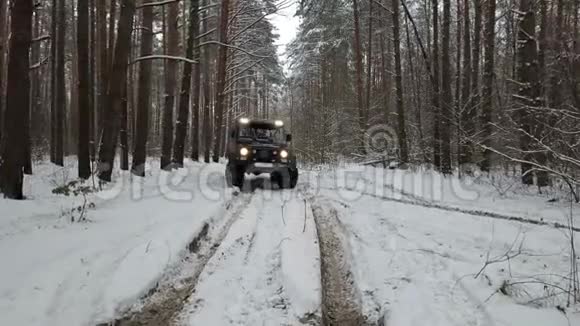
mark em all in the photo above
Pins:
pixel 257 147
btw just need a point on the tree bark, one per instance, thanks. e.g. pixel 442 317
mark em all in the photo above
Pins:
pixel 124 130
pixel 12 151
pixel 446 98
pixel 529 92
pixel 487 90
pixel 402 133
pixel 436 96
pixel 102 63
pixel 172 37
pixel 92 77
pixel 3 10
pixel 183 114
pixel 369 63
pixel 144 97
pixel 84 92
pixel 221 77
pixel 465 103
pixel 207 130
pixel 195 107
pixel 60 83
pixel 117 83
pixel 359 73
pixel 53 79
pixel 475 57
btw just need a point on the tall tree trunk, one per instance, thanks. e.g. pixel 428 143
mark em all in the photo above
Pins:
pixel 207 130
pixel 446 97
pixel 60 83
pixel 436 98
pixel 359 73
pixel 221 77
pixel 172 37
pixel 53 79
pixel 465 103
pixel 3 10
pixel 475 57
pixel 144 97
pixel 36 110
pixel 84 92
pixel 195 108
pixel 117 83
pixel 92 77
pixel 402 133
pixel 102 63
pixel 58 90
pixel 369 63
pixel 555 95
pixel 529 89
pixel 111 37
pixel 12 148
pixel 124 130
pixel 487 90
pixel 183 114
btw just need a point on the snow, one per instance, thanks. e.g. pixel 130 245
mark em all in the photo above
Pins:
pixel 414 264
pixel 409 263
pixel 266 270
pixel 59 273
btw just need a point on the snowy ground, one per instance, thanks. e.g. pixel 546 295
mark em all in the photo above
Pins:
pixel 397 247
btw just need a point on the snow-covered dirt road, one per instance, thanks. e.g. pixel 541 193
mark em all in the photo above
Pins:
pixel 339 250
pixel 265 272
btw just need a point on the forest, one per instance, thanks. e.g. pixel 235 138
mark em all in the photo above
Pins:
pixel 460 85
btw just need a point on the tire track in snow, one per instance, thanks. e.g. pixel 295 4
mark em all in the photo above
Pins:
pixel 341 299
pixel 418 201
pixel 415 270
pixel 248 264
pixel 163 303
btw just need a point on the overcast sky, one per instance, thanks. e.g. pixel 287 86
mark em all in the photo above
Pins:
pixel 287 26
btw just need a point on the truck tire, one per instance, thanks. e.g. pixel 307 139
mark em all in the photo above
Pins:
pixel 287 179
pixel 293 177
pixel 234 176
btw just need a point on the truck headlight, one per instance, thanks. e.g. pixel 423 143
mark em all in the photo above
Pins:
pixel 244 151
pixel 284 154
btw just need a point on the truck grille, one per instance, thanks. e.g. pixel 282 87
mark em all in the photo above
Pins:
pixel 264 155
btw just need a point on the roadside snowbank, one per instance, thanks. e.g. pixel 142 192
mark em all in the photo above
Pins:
pixel 415 265
pixel 55 272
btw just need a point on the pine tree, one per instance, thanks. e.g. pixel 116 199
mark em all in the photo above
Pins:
pixel 183 113
pixel 487 90
pixel 116 90
pixel 144 97
pixel 12 150
pixel 84 91
pixel 172 45
pixel 221 77
pixel 402 133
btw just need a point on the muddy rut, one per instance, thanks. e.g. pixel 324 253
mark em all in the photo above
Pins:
pixel 166 301
pixel 341 300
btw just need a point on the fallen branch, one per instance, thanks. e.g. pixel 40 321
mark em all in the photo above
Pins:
pixel 155 4
pixel 164 57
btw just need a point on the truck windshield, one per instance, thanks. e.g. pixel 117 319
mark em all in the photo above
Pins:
pixel 263 135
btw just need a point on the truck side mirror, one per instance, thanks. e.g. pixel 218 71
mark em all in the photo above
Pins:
pixel 288 138
pixel 233 134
